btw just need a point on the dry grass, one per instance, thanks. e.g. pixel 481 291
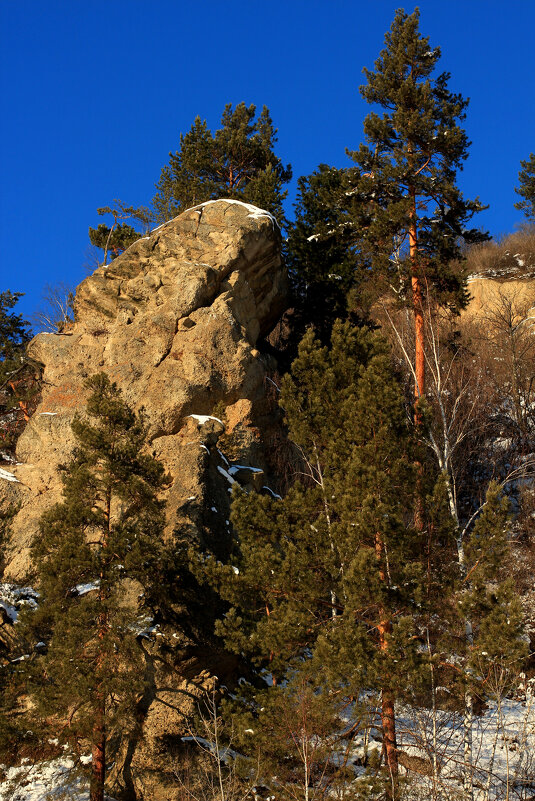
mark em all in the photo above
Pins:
pixel 507 258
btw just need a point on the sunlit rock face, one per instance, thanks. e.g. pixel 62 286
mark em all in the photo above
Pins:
pixel 175 321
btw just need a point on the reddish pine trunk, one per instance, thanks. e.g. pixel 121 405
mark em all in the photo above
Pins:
pixel 98 768
pixel 22 404
pixel 419 344
pixel 388 721
pixel 388 717
pixel 417 305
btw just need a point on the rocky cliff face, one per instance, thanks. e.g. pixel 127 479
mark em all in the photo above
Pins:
pixel 488 293
pixel 175 321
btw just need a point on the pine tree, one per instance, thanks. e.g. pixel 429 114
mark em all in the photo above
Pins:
pixel 14 335
pixel 490 613
pixel 334 572
pixel 115 238
pixel 238 161
pixel 98 562
pixel 293 731
pixel 526 190
pixel 327 269
pixel 412 216
pixel 14 391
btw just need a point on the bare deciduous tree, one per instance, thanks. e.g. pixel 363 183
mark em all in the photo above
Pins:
pixel 462 394
pixel 56 313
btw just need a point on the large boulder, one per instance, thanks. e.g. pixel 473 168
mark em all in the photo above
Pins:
pixel 175 321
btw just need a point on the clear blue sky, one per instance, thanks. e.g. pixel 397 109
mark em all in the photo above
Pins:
pixel 94 96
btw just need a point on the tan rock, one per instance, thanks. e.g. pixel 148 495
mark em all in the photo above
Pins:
pixel 175 321
pixel 488 293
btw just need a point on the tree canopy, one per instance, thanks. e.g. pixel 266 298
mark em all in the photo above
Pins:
pixel 99 563
pixel 237 161
pixel 526 190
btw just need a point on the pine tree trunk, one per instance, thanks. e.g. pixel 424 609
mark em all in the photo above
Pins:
pixel 419 343
pixel 98 769
pixel 388 721
pixel 417 305
pixel 388 716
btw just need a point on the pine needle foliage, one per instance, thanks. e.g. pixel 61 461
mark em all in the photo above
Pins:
pixel 237 161
pixel 526 189
pixel 327 267
pixel 407 167
pixel 489 601
pixel 15 390
pixel 98 561
pixel 334 575
pixel 14 336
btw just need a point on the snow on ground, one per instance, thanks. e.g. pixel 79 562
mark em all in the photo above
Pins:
pixel 56 780
pixel 13 597
pixel 503 750
pixel 83 589
pixel 8 476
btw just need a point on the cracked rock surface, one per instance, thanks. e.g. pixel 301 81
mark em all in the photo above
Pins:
pixel 175 321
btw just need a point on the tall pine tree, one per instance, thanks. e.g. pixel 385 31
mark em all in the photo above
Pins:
pixel 98 563
pixel 412 216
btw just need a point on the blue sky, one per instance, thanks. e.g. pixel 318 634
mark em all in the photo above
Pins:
pixel 95 95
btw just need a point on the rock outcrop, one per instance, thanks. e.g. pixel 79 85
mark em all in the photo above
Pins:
pixel 175 321
pixel 489 293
